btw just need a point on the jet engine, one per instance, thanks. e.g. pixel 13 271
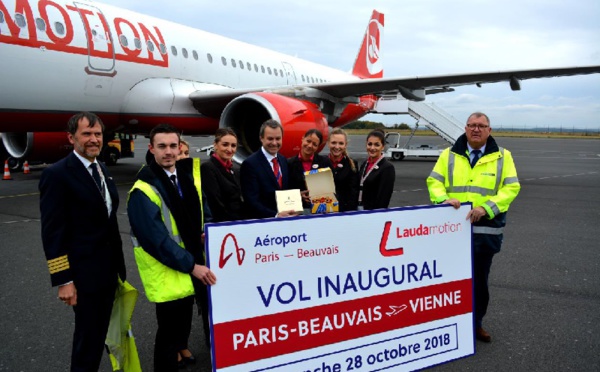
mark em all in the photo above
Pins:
pixel 38 146
pixel 246 113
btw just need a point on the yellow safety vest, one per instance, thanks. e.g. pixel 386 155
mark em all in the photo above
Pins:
pixel 492 184
pixel 162 283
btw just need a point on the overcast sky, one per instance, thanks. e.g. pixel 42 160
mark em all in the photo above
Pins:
pixel 430 37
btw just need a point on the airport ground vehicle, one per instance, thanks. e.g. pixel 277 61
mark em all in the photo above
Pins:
pixel 120 147
pixel 397 151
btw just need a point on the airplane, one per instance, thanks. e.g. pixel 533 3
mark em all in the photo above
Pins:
pixel 136 71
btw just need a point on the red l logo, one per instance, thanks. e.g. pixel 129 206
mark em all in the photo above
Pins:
pixel 383 244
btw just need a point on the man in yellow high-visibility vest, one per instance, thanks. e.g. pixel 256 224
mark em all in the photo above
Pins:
pixel 167 213
pixel 476 170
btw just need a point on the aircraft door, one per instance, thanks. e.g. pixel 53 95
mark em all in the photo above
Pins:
pixel 101 51
pixel 289 73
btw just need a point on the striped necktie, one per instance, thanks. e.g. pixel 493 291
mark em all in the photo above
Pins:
pixel 176 184
pixel 277 171
pixel 98 180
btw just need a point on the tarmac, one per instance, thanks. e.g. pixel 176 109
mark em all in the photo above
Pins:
pixel 544 312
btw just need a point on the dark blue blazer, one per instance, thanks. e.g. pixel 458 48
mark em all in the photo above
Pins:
pixel 76 225
pixel 259 184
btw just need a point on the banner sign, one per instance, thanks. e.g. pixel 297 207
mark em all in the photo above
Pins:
pixel 365 291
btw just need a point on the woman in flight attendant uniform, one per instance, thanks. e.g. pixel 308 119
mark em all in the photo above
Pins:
pixel 305 161
pixel 377 175
pixel 221 179
pixel 345 171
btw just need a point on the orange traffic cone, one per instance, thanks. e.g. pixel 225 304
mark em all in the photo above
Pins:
pixel 6 171
pixel 26 167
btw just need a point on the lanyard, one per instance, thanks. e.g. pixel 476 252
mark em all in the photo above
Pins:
pixel 364 177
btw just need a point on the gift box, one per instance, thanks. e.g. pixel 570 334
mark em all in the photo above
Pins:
pixel 321 188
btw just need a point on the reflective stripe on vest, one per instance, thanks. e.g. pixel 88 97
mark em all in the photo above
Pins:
pixel 166 214
pixel 475 189
pixel 198 185
pixel 488 230
pixel 161 283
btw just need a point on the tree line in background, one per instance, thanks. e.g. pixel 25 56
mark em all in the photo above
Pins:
pixel 370 125
pixel 365 124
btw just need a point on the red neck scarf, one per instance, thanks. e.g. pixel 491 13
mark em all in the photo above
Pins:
pixel 371 162
pixel 227 165
pixel 334 163
pixel 306 164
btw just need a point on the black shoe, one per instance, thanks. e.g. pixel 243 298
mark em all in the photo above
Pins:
pixel 180 362
pixel 482 335
pixel 188 360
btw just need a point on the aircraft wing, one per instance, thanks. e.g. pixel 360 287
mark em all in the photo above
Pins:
pixel 212 102
pixel 438 83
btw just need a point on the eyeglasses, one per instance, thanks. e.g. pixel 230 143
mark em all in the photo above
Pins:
pixel 478 126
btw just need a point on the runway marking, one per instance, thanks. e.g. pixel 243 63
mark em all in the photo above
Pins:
pixel 415 190
pixel 563 176
pixel 19 195
pixel 20 221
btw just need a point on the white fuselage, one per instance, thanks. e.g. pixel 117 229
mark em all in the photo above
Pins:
pixel 103 52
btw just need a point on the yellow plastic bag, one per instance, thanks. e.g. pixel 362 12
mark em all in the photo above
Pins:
pixel 119 339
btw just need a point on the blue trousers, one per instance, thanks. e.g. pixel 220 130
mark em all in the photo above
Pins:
pixel 92 316
pixel 485 246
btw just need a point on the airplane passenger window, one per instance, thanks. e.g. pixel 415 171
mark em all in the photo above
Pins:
pixel 262 68
pixel 233 62
pixel 275 71
pixel 195 55
pixel 40 24
pixel 249 65
pixel 209 57
pixel 20 19
pixel 224 60
pixel 302 78
pixel 137 42
pixel 163 48
pixel 269 70
pixel 94 32
pixel 280 72
pixel 1 17
pixel 184 52
pixel 173 50
pixel 255 67
pixel 150 45
pixel 241 64
pixel 123 40
pixel 60 28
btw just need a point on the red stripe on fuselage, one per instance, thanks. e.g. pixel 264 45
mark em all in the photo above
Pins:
pixel 56 121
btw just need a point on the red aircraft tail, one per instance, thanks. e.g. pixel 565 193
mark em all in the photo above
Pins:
pixel 368 63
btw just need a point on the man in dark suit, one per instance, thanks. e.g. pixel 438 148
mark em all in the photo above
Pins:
pixel 78 203
pixel 264 172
